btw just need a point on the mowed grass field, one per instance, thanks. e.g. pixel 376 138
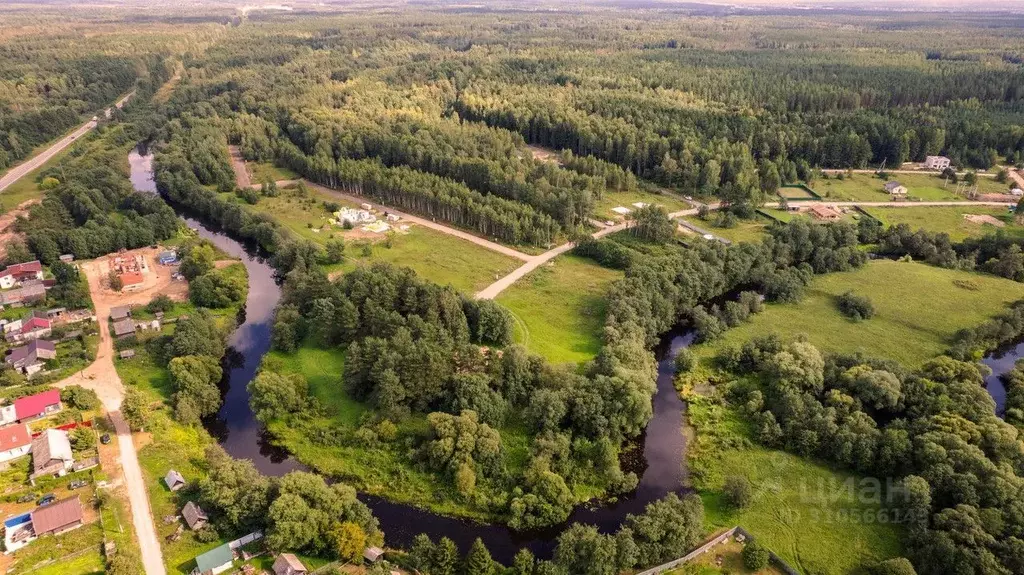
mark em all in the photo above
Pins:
pixel 949 220
pixel 744 230
pixel 913 302
pixel 559 308
pixel 925 187
pixel 802 510
pixel 434 255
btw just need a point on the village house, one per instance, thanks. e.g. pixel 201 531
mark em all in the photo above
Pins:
pixel 895 189
pixel 57 517
pixel 120 312
pixel 174 480
pixel 30 358
pixel 15 441
pixel 126 354
pixel 67 258
pixel 288 564
pixel 26 294
pixel 18 532
pixel 167 258
pixel 194 516
pixel 936 162
pixel 18 273
pixel 51 454
pixel 32 327
pixel 124 327
pixel 214 561
pixel 825 213
pixel 36 406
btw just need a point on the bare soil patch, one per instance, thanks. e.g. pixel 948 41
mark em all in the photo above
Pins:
pixel 7 220
pixel 242 177
pixel 984 219
pixel 544 154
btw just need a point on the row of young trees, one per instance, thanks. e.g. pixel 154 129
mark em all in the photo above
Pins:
pixel 933 430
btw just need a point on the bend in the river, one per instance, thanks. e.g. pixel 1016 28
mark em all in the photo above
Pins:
pixel 661 469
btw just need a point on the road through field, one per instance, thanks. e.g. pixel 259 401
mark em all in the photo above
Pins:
pixel 17 172
pixel 492 291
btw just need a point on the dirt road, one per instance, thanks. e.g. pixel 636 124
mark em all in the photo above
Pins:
pixel 102 378
pixel 17 172
pixel 534 262
pixel 242 179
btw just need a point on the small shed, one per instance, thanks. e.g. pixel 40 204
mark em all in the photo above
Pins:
pixel 67 258
pixel 288 564
pixel 214 561
pixel 373 554
pixel 126 353
pixel 174 480
pixel 895 188
pixel 1017 192
pixel 194 516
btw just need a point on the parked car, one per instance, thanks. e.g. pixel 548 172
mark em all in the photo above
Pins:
pixel 105 438
pixel 27 497
pixel 77 484
pixel 46 499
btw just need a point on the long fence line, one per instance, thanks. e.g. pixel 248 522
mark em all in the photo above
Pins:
pixel 711 544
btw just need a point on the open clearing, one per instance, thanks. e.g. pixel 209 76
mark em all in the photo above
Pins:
pixel 559 308
pixel 950 220
pixel 603 207
pixel 433 255
pixel 800 509
pixel 912 321
pixel 744 230
pixel 925 187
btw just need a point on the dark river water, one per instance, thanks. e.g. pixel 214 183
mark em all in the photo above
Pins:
pixel 660 468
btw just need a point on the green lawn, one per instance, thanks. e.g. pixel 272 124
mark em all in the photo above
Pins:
pixel 559 308
pixel 262 171
pixel 912 322
pixel 795 193
pixel 948 219
pixel 800 509
pixel 603 207
pixel 76 552
pixel 436 256
pixel 744 230
pixel 925 187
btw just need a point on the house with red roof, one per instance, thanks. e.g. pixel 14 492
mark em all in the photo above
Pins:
pixel 17 273
pixel 132 281
pixel 15 441
pixel 32 327
pixel 38 405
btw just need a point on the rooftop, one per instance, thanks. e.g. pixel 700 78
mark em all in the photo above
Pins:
pixel 33 405
pixel 15 436
pixel 56 515
pixel 214 558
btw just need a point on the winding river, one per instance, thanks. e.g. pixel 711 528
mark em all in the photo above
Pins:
pixel 660 468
